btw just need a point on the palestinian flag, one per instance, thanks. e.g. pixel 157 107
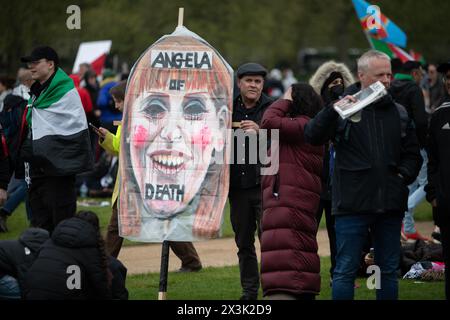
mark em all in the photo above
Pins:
pixel 61 144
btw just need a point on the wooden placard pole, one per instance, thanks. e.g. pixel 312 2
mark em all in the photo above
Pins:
pixel 180 16
pixel 164 271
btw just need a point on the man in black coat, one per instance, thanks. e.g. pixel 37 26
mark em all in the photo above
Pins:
pixel 245 188
pixel 16 258
pixel 405 90
pixel 376 158
pixel 438 188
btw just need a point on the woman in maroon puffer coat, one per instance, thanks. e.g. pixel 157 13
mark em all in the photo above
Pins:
pixel 290 265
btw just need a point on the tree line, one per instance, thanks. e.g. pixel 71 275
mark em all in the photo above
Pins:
pixel 270 32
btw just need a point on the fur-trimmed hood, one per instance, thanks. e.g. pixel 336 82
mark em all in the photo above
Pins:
pixel 325 70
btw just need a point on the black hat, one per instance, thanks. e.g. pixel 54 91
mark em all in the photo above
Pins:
pixel 42 52
pixel 251 69
pixel 409 66
pixel 444 67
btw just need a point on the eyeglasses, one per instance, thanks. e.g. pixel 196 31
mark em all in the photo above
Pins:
pixel 34 63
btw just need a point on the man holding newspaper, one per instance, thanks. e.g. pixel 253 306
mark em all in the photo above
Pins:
pixel 377 156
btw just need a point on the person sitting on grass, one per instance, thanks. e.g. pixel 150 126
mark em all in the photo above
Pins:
pixel 72 264
pixel 16 258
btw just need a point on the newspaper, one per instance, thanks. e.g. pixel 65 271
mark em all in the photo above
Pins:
pixel 369 95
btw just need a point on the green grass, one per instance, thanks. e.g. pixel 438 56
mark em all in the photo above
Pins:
pixel 421 213
pixel 18 222
pixel 223 284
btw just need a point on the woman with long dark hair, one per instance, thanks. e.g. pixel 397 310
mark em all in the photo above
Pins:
pixel 290 265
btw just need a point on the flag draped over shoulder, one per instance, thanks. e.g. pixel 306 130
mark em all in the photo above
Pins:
pixel 61 144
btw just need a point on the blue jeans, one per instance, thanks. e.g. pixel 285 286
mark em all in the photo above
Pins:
pixel 416 194
pixel 9 288
pixel 17 192
pixel 351 234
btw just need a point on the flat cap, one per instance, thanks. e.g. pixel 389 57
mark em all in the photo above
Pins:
pixel 251 69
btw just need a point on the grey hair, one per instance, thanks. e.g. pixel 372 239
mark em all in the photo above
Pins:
pixel 364 60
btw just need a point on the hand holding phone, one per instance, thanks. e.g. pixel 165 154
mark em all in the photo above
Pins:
pixel 95 129
pixel 100 132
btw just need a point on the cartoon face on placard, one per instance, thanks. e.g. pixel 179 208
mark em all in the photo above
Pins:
pixel 174 177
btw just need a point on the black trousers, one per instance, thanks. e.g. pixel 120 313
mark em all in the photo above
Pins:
pixel 325 205
pixel 52 200
pixel 245 214
pixel 444 224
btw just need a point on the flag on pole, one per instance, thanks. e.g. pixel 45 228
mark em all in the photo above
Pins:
pixel 377 25
pixel 391 50
pixel 417 56
pixel 94 53
pixel 382 33
pixel 400 53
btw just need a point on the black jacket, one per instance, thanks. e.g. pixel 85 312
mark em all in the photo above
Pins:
pixel 17 256
pixel 74 242
pixel 370 157
pixel 244 176
pixel 409 95
pixel 5 173
pixel 439 160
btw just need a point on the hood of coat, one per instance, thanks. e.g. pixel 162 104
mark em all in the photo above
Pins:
pixel 399 86
pixel 33 238
pixel 75 233
pixel 325 70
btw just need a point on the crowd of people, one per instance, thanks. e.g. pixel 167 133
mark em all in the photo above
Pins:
pixel 367 173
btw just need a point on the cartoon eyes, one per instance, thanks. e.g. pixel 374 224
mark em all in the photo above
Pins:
pixel 193 109
pixel 155 109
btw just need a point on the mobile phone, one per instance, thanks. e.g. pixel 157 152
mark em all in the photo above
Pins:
pixel 96 130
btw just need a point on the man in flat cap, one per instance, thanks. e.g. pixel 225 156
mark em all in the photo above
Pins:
pixel 56 144
pixel 245 189
pixel 438 187
pixel 406 90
